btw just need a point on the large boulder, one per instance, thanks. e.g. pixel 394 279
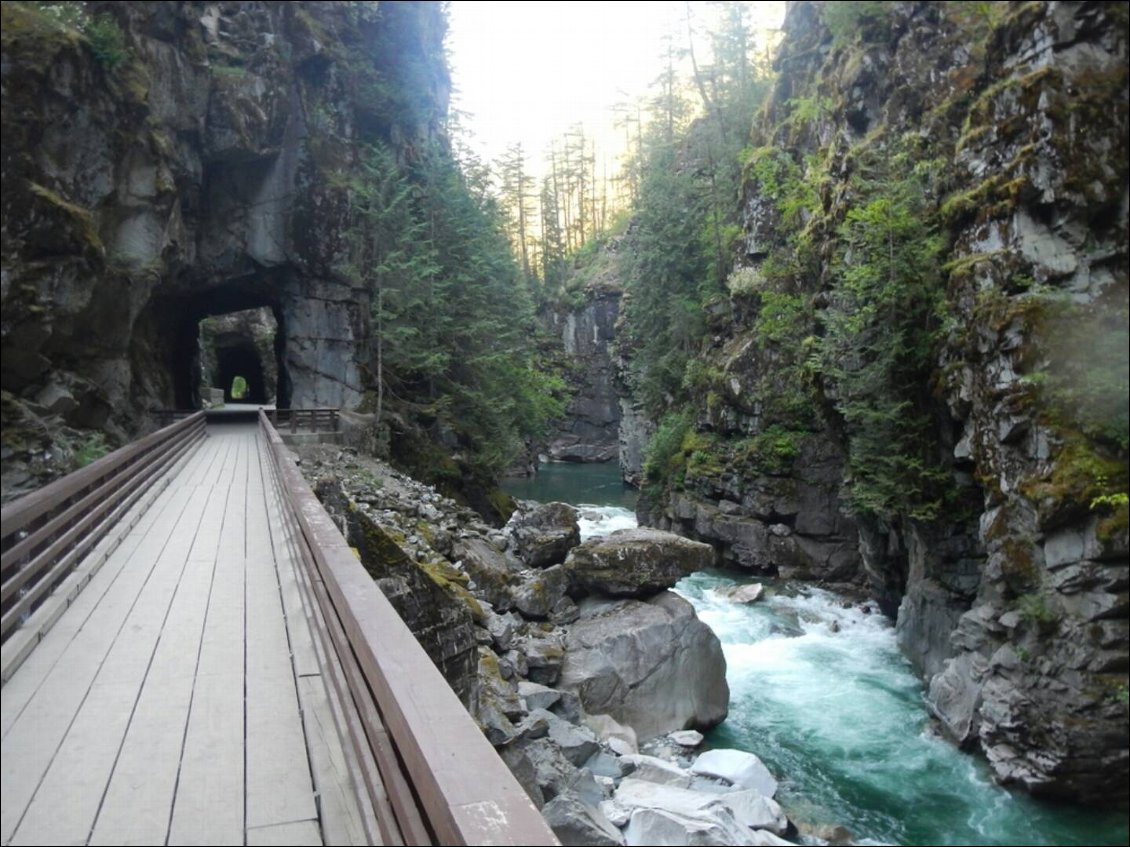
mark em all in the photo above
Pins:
pixel 652 665
pixel 544 533
pixel 634 562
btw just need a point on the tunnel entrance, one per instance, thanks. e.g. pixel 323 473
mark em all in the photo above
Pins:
pixel 206 337
pixel 238 355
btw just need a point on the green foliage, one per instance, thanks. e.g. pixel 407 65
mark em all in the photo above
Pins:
pixel 92 449
pixel 664 456
pixel 238 388
pixel 107 41
pixel 848 20
pixel 452 320
pixel 880 329
pixel 780 317
pixel 771 452
pixel 1034 609
pixel 1117 500
pixel 687 233
pixel 65 14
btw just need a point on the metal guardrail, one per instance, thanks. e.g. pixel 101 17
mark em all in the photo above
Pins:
pixel 45 534
pixel 428 772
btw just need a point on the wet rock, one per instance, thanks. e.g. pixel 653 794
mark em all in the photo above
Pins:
pixel 686 738
pixel 743 593
pixel 651 665
pixel 634 563
pixel 755 810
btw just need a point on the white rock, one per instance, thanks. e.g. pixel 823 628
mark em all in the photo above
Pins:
pixel 756 811
pixel 742 593
pixel 621 747
pixel 764 838
pixel 654 769
pixel 660 828
pixel 641 794
pixel 687 737
pixel 615 812
pixel 737 767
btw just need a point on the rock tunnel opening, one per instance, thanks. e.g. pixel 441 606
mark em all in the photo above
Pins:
pixel 241 345
pixel 237 329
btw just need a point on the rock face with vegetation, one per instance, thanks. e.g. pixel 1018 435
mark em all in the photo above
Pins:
pixel 590 431
pixel 915 374
pixel 165 163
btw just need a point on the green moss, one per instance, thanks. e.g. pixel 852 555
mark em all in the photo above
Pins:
pixel 78 223
pixel 1115 524
pixel 771 452
pixel 1080 473
pixel 705 454
pixel 1017 565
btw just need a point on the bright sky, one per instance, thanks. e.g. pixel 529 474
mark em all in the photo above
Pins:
pixel 527 71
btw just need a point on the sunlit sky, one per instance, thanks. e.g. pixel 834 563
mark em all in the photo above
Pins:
pixel 527 71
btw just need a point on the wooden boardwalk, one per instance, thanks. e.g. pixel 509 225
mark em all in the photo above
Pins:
pixel 179 699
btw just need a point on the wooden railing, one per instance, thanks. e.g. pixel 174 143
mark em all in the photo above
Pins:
pixel 424 767
pixel 46 533
pixel 305 420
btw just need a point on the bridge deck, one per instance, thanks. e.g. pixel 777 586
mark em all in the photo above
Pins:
pixel 179 700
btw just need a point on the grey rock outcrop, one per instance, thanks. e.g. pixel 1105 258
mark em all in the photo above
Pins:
pixel 589 431
pixel 544 533
pixel 577 823
pixel 634 563
pixel 649 664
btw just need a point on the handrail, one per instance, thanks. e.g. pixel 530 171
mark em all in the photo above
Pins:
pixel 44 534
pixel 311 420
pixel 430 754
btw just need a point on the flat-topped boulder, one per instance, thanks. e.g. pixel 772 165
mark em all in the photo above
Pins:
pixel 634 563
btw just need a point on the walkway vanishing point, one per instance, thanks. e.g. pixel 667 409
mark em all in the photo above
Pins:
pixel 193 655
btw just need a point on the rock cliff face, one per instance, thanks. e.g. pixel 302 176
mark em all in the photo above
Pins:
pixel 590 430
pixel 1010 587
pixel 166 162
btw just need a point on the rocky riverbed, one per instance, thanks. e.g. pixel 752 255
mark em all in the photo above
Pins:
pixel 583 669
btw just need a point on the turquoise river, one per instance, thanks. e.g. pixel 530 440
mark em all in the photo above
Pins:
pixel 819 690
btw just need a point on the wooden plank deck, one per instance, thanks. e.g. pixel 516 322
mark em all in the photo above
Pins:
pixel 176 700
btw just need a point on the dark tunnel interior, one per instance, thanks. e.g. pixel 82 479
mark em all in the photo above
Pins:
pixel 240 360
pixel 183 316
